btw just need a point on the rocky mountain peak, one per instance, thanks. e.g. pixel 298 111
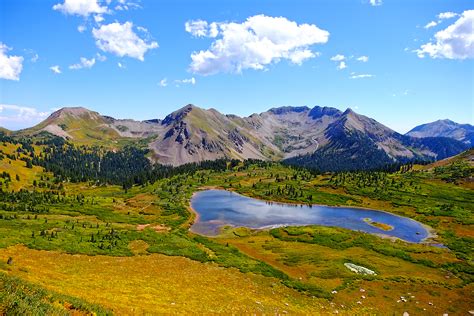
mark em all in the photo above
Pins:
pixel 288 109
pixel 318 112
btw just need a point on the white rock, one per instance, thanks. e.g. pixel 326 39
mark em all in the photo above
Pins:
pixel 359 269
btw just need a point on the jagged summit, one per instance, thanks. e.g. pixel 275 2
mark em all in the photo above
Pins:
pixel 192 134
pixel 179 114
pixel 288 109
pixel 318 112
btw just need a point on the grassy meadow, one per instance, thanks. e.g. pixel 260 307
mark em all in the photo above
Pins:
pixel 72 248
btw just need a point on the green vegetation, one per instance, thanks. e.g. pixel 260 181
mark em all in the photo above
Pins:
pixel 89 201
pixel 18 297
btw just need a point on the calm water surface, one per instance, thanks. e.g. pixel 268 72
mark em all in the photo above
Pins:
pixel 217 208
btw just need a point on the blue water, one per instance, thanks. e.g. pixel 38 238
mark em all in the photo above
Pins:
pixel 217 208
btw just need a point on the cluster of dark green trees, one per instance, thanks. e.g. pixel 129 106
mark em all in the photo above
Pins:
pixel 127 167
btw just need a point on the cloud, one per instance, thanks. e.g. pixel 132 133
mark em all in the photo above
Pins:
pixel 126 5
pixel 10 66
pixel 342 65
pixel 338 57
pixel 98 18
pixel 363 59
pixel 35 58
pixel 253 44
pixel 360 76
pixel 55 69
pixel 447 15
pixel 163 82
pixel 85 63
pixel 341 60
pixel 375 3
pixel 454 42
pixel 101 57
pixel 200 28
pixel 121 40
pixel 191 81
pixel 15 116
pixel 81 28
pixel 80 7
pixel 431 24
pixel 120 65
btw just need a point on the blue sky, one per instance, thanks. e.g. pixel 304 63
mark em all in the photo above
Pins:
pixel 402 62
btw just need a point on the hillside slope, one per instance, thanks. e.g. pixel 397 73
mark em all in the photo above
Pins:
pixel 84 127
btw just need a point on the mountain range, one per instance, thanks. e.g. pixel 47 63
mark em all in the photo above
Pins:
pixel 445 128
pixel 320 137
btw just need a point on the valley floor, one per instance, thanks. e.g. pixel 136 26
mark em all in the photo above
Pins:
pixel 91 248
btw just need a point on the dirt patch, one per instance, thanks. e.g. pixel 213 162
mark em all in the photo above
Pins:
pixel 158 228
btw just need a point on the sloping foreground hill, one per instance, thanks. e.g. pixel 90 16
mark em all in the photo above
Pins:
pixel 322 138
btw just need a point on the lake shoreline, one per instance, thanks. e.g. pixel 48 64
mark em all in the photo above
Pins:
pixel 428 240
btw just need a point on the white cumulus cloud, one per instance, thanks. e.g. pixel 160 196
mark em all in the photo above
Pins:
pixel 342 65
pixel 101 57
pixel 253 44
pixel 200 28
pixel 375 2
pixel 454 42
pixel 431 24
pixel 56 69
pixel 191 81
pixel 360 76
pixel 10 66
pixel 338 57
pixel 363 59
pixel 80 7
pixel 15 116
pixel 85 63
pixel 163 82
pixel 121 40
pixel 447 15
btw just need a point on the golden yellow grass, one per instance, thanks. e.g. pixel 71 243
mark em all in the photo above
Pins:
pixel 317 263
pixel 382 226
pixel 316 259
pixel 157 284
pixel 18 167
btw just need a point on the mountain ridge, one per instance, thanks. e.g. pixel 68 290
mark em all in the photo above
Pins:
pixel 444 128
pixel 297 134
